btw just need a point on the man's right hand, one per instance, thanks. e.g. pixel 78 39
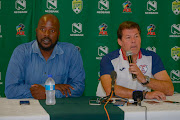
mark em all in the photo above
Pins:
pixel 64 88
pixel 155 95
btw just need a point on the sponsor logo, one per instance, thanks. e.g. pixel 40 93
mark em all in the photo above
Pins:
pixel 52 6
pixel 176 7
pixel 151 49
pixel 103 6
pixel 175 53
pixel 175 30
pixel 0 32
pixel 126 6
pixel 122 69
pixel 150 30
pixel 20 5
pixel 101 52
pixel 151 7
pixel 20 30
pixel 77 6
pixel 143 68
pixel 77 29
pixel 102 28
pixel 175 76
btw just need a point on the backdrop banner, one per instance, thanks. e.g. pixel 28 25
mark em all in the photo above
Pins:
pixel 92 25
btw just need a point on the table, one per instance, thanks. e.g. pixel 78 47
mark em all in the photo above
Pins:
pixel 10 109
pixel 79 109
pixel 158 111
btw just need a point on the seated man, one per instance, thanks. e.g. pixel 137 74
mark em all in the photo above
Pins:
pixel 32 62
pixel 147 66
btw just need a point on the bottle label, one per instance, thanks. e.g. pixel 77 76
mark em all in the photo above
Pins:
pixel 50 87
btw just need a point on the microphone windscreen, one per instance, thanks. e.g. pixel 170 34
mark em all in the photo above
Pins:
pixel 128 53
pixel 113 75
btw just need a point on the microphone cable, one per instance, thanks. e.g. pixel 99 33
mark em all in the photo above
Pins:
pixel 145 112
pixel 106 104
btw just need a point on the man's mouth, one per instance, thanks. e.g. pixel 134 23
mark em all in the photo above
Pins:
pixel 132 47
pixel 46 40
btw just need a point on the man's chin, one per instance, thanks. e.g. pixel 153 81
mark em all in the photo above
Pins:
pixel 135 51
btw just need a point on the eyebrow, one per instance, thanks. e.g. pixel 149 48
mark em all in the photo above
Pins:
pixel 50 27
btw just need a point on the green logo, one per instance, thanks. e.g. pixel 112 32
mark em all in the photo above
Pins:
pixel 175 53
pixel 176 7
pixel 77 6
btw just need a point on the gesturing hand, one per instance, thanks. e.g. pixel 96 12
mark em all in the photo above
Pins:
pixel 38 91
pixel 64 88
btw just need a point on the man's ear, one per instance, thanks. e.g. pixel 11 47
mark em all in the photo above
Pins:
pixel 119 41
pixel 59 33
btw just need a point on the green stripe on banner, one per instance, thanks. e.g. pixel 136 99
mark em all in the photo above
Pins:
pixel 79 109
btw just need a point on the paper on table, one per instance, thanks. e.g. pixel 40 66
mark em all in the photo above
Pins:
pixel 11 109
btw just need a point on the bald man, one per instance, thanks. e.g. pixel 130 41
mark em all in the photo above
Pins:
pixel 32 62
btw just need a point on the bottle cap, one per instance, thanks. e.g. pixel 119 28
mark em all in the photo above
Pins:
pixel 50 76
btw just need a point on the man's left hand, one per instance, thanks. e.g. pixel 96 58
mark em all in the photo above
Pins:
pixel 38 91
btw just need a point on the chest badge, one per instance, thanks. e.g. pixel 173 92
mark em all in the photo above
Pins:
pixel 143 68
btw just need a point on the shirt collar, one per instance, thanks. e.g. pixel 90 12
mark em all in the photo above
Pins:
pixel 57 49
pixel 124 55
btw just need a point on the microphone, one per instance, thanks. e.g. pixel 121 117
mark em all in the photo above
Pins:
pixel 129 55
pixel 113 77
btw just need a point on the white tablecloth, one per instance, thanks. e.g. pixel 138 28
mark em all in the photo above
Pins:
pixel 157 111
pixel 10 109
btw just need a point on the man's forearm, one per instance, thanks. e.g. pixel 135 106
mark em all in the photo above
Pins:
pixel 16 91
pixel 123 92
pixel 159 85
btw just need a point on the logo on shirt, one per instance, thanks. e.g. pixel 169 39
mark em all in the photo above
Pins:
pixel 77 6
pixel 101 52
pixel 77 29
pixel 102 28
pixel 20 29
pixel 20 5
pixel 126 5
pixel 52 6
pixel 122 69
pixel 151 29
pixel 103 5
pixel 151 7
pixel 176 7
pixel 175 30
pixel 175 76
pixel 175 53
pixel 143 68
pixel 151 49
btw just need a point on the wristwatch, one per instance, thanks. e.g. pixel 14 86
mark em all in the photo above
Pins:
pixel 147 80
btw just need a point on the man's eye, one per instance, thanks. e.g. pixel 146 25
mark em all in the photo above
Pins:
pixel 42 29
pixel 127 37
pixel 52 31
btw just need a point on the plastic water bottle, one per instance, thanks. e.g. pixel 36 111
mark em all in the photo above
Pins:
pixel 50 91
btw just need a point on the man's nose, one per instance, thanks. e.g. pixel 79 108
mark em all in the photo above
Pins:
pixel 133 40
pixel 46 33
